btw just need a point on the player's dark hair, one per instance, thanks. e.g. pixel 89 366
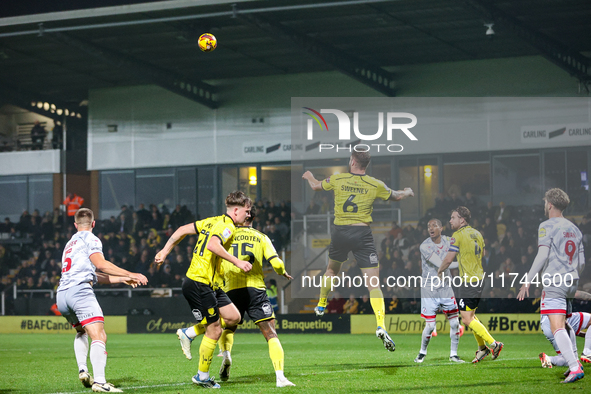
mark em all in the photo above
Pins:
pixel 436 221
pixel 253 214
pixel 558 198
pixel 84 216
pixel 238 198
pixel 362 159
pixel 464 213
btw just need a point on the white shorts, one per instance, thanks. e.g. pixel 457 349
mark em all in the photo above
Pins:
pixel 577 321
pixel 442 299
pixel 558 300
pixel 79 306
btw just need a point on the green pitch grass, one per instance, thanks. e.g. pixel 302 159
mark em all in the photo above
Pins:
pixel 316 363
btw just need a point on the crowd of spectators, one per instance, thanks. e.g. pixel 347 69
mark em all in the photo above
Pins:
pixel 130 240
pixel 510 236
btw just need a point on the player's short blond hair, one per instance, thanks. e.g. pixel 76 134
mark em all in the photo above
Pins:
pixel 84 217
pixel 238 198
pixel 558 198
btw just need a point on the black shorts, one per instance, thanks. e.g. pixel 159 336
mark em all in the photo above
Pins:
pixel 205 302
pixel 356 239
pixel 252 301
pixel 468 297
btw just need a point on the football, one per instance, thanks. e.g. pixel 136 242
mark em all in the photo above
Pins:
pixel 207 42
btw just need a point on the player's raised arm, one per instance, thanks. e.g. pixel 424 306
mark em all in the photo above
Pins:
pixel 111 269
pixel 314 183
pixel 111 279
pixel 214 245
pixel 398 195
pixel 174 239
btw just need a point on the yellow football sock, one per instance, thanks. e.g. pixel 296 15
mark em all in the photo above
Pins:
pixel 481 331
pixel 324 290
pixel 377 303
pixel 199 329
pixel 276 353
pixel 206 353
pixel 227 340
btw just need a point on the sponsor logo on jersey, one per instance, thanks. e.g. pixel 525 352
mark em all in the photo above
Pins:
pixel 373 258
pixel 267 310
pixel 226 233
pixel 542 232
pixel 197 314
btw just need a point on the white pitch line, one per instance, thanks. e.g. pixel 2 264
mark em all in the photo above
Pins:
pixel 132 387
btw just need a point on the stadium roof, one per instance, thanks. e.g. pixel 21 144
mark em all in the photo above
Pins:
pixel 63 50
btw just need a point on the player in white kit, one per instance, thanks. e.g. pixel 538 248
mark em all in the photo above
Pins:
pixel 76 301
pixel 578 321
pixel 561 260
pixel 436 295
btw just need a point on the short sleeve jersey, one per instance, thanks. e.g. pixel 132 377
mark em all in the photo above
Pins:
pixel 206 267
pixel 565 242
pixel 428 248
pixel 256 248
pixel 468 243
pixel 354 196
pixel 76 265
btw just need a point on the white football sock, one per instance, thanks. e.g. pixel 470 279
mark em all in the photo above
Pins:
pixel 429 327
pixel 190 332
pixel 587 347
pixel 98 359
pixel 81 350
pixel 203 375
pixel 566 348
pixel 454 335
pixel 279 375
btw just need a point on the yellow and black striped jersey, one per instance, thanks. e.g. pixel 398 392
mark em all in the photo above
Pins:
pixel 206 267
pixel 255 247
pixel 467 242
pixel 354 196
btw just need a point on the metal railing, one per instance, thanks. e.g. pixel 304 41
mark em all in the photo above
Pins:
pixel 159 291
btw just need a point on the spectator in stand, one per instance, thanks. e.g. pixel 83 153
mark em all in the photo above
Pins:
pixel 313 208
pixel 272 294
pixel 395 230
pixel 585 228
pixel 275 238
pixel 351 305
pixel 364 307
pixel 58 135
pixel 143 214
pixel 490 211
pixel 455 201
pixel 471 202
pixel 73 203
pixel 282 229
pixel 177 219
pixel 394 306
pixel 502 214
pixel 156 221
pixel 124 225
pixel 336 304
pixel 6 226
pixel 441 204
pixel 38 134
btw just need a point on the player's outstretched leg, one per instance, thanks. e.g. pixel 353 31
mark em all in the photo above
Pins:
pixel 545 360
pixel 186 336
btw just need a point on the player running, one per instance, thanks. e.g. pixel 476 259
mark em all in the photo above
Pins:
pixel 468 245
pixel 435 294
pixel 354 194
pixel 561 260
